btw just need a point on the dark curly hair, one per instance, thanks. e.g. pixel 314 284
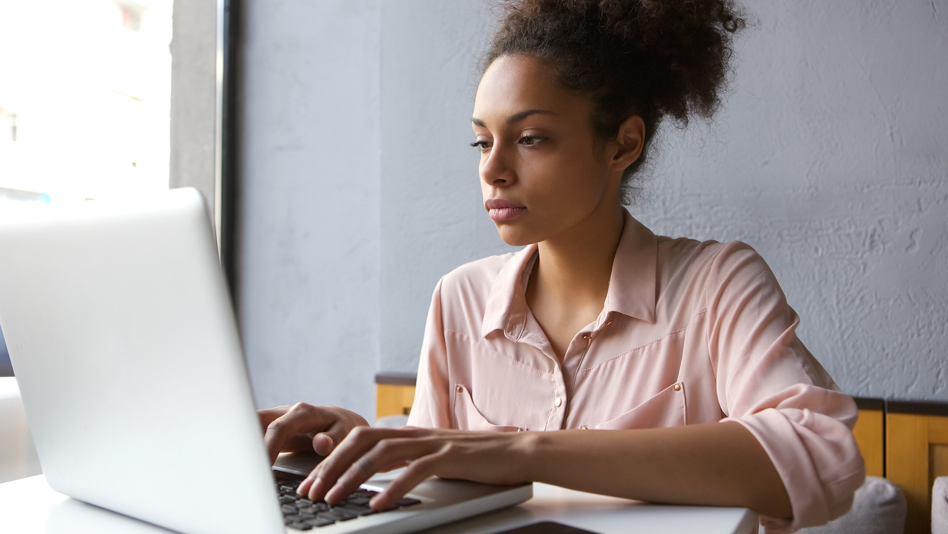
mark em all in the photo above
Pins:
pixel 651 58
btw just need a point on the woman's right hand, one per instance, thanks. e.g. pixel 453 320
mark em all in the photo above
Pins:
pixel 304 427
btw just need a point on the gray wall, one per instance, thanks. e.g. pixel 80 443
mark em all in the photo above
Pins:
pixel 432 214
pixel 308 250
pixel 829 157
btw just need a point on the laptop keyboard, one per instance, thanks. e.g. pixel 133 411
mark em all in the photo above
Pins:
pixel 304 514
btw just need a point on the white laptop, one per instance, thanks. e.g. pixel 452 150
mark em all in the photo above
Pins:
pixel 123 341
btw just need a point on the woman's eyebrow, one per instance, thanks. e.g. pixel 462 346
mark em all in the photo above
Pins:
pixel 516 117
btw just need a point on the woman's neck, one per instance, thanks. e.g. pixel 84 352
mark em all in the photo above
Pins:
pixel 570 278
pixel 578 263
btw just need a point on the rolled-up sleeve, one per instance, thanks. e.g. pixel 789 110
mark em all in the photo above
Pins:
pixel 769 382
pixel 431 407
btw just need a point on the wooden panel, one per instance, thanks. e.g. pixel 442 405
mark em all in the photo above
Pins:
pixel 907 465
pixel 938 429
pixel 391 399
pixel 870 437
pixel 916 453
pixel 937 464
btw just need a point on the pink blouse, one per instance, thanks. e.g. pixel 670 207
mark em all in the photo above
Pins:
pixel 690 333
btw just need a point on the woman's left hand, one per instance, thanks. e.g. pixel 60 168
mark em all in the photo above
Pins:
pixel 489 457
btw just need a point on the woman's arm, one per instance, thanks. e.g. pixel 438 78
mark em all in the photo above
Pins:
pixel 710 464
pixel 716 464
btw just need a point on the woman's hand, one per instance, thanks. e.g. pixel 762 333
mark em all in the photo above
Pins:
pixel 303 427
pixel 489 457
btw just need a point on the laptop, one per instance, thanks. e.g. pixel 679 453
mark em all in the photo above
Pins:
pixel 123 341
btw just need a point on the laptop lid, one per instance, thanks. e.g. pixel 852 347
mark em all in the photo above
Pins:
pixel 124 344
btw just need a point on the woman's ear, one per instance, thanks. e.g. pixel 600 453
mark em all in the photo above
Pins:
pixel 629 142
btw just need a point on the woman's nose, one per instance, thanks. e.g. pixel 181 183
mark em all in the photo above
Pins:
pixel 495 171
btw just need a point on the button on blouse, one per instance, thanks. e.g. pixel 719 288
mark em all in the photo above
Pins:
pixel 690 332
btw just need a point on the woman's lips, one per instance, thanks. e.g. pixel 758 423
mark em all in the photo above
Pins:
pixel 503 210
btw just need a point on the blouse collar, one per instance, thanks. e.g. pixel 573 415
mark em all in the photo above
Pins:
pixel 631 285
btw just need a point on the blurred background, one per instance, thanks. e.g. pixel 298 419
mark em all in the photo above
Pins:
pixel 85 97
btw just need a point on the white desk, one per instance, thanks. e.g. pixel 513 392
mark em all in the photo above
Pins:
pixel 31 506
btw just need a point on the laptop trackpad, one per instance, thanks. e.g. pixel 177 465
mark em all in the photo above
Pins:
pixel 297 463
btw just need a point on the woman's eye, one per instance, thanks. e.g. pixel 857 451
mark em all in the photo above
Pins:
pixel 530 140
pixel 483 145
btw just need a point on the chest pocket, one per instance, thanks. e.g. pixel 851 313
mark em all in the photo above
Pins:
pixel 664 409
pixel 468 417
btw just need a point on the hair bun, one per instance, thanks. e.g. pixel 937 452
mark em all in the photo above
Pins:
pixel 650 58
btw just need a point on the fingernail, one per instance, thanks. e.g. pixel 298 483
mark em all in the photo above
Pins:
pixel 316 489
pixel 333 495
pixel 306 481
pixel 374 502
pixel 327 445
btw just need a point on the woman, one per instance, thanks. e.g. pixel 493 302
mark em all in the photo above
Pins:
pixel 670 366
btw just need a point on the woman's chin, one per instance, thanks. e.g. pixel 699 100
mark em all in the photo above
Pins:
pixel 514 236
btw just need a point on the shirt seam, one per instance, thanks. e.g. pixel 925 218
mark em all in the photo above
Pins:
pixel 579 368
pixel 488 348
pixel 659 340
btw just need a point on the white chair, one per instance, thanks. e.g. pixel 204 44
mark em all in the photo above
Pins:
pixel 17 453
pixel 940 506
pixel 391 421
pixel 878 508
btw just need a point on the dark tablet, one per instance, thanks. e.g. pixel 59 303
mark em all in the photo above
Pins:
pixel 547 527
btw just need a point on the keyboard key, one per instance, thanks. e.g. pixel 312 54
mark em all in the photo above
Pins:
pixel 315 507
pixel 358 500
pixel 356 509
pixel 301 526
pixel 289 509
pixel 319 522
pixel 407 501
pixel 287 499
pixel 337 515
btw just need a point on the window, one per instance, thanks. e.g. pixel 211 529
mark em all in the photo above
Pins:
pixel 85 90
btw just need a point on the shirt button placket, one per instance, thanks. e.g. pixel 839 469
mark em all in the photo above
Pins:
pixel 559 400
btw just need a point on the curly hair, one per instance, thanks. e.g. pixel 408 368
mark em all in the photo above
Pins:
pixel 651 58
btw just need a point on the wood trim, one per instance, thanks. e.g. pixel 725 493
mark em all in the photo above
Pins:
pixel 870 403
pixel 870 436
pixel 915 455
pixel 917 407
pixel 393 399
pixel 396 379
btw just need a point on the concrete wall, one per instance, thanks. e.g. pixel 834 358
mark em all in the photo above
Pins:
pixel 432 213
pixel 308 201
pixel 829 157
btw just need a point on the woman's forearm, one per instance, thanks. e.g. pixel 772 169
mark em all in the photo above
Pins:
pixel 715 464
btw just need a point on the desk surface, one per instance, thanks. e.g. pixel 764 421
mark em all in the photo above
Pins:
pixel 29 505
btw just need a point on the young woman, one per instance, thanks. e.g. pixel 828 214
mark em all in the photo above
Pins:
pixel 670 367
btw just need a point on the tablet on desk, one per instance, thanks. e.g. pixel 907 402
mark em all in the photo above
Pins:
pixel 547 527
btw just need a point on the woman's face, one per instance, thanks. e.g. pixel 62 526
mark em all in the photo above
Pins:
pixel 542 170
